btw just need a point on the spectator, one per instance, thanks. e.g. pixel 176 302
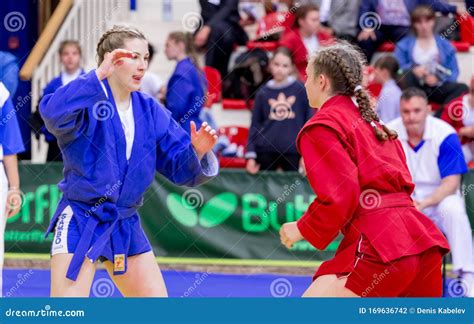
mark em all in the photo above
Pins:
pixel 9 72
pixel 428 60
pixel 460 114
pixel 152 84
pixel 185 94
pixel 281 107
pixel 388 103
pixel 221 30
pixel 436 163
pixel 305 38
pixel 70 55
pixel 10 144
pixel 389 20
pixel 341 18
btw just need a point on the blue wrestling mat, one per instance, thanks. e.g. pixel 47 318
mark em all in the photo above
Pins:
pixel 35 283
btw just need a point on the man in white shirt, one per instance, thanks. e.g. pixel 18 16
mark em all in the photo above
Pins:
pixel 436 163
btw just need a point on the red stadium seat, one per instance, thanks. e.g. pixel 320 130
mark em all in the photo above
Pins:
pixel 266 46
pixel 214 86
pixel 239 104
pixel 461 46
pixel 386 47
pixel 238 135
pixel 467 29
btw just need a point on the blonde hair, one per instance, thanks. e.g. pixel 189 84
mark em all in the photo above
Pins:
pixel 188 40
pixel 115 37
pixel 343 65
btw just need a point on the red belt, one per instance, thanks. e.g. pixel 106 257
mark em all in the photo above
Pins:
pixel 372 201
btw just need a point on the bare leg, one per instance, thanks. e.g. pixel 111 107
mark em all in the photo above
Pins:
pixel 64 287
pixel 142 279
pixel 329 286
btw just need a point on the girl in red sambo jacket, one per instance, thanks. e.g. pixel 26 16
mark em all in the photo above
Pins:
pixel 356 166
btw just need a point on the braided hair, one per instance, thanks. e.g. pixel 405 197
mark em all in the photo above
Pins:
pixel 342 64
pixel 115 37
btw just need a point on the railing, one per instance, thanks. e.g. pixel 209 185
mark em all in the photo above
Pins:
pixel 82 20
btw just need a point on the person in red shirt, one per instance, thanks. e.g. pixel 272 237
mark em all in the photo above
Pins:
pixel 305 37
pixel 357 168
pixel 459 113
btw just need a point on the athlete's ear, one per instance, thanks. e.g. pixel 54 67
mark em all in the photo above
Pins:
pixel 323 82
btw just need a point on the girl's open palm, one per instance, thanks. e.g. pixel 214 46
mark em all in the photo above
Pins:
pixel 204 139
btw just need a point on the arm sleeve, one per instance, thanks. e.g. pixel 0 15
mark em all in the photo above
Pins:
pixel 256 125
pixel 71 109
pixel 9 72
pixel 388 105
pixel 451 159
pixel 176 158
pixel 12 140
pixel 337 188
pixel 451 63
pixel 403 55
pixel 177 95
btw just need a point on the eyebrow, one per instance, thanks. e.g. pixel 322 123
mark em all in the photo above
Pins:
pixel 139 54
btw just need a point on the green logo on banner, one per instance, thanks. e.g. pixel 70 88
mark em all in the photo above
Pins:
pixel 185 208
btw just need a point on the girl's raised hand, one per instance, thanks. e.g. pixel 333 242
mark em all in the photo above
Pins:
pixel 111 61
pixel 203 140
